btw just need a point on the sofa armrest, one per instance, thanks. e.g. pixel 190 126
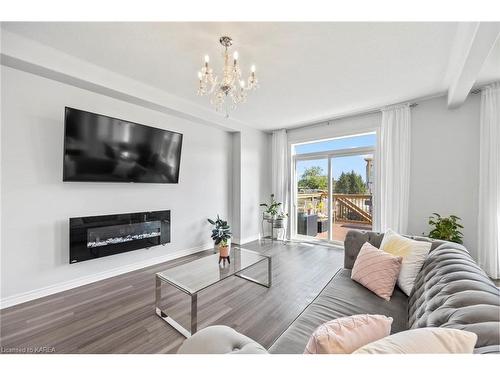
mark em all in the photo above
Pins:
pixel 220 340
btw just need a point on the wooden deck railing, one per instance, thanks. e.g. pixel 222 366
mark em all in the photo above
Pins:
pixel 348 208
pixel 356 208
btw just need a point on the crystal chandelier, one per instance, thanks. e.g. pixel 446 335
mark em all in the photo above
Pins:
pixel 230 88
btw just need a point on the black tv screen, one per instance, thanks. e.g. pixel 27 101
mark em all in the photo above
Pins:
pixel 106 149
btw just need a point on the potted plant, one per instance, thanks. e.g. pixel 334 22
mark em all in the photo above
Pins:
pixel 445 228
pixel 310 208
pixel 271 209
pixel 320 207
pixel 221 234
pixel 280 219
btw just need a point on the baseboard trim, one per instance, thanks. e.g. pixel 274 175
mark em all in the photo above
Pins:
pixel 249 239
pixel 61 287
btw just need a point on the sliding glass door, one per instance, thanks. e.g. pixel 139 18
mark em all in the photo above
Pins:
pixel 312 189
pixel 352 182
pixel 332 190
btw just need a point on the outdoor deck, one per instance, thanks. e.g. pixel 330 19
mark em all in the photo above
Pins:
pixel 350 211
pixel 339 230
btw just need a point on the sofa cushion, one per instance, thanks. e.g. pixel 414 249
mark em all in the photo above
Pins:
pixel 355 239
pixel 345 335
pixel 452 291
pixel 423 341
pixel 376 270
pixel 341 297
pixel 413 253
pixel 220 340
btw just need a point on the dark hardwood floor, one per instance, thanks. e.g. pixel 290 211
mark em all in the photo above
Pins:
pixel 117 315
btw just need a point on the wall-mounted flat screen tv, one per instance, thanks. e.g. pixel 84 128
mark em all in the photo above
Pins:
pixel 104 149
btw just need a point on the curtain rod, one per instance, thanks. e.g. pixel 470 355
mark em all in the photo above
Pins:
pixel 477 89
pixel 341 117
pixel 413 103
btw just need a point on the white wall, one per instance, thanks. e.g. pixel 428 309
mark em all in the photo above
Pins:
pixel 445 165
pixel 444 160
pixel 255 186
pixel 235 188
pixel 36 204
pixel 336 128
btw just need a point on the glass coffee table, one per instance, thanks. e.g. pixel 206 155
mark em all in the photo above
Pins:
pixel 193 277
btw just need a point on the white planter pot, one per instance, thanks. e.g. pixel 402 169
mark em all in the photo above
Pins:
pixel 279 223
pixel 267 216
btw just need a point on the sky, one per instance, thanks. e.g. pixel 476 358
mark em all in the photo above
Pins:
pixel 339 164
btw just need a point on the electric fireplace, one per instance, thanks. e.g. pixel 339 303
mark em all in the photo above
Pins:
pixel 99 236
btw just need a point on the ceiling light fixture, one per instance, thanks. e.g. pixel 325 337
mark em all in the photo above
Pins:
pixel 230 90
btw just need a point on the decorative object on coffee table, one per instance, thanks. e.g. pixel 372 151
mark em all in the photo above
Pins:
pixel 221 235
pixel 224 252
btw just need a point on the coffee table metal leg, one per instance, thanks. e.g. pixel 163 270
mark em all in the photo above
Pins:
pixel 269 275
pixel 269 272
pixel 194 313
pixel 159 312
pixel 162 314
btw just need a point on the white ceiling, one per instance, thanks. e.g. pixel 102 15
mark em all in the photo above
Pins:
pixel 307 71
pixel 491 68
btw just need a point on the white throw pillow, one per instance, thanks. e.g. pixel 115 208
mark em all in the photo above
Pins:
pixel 423 341
pixel 413 253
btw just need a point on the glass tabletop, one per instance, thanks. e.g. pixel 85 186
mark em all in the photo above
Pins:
pixel 201 273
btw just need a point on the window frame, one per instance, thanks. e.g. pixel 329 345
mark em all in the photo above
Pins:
pixel 325 155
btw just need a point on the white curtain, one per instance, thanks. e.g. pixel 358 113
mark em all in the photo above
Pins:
pixel 280 172
pixel 392 165
pixel 489 181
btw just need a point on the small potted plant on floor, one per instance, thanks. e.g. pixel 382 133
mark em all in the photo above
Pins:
pixel 271 209
pixel 445 228
pixel 221 234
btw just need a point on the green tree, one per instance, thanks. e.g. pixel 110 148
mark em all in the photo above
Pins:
pixel 313 178
pixel 350 183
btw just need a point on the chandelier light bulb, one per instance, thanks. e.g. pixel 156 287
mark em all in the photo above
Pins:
pixel 200 76
pixel 235 55
pixel 252 69
pixel 207 59
pixel 242 84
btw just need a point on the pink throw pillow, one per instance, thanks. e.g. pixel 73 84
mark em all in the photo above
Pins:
pixel 376 270
pixel 348 334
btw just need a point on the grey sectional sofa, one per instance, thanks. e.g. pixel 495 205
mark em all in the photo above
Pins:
pixel 450 291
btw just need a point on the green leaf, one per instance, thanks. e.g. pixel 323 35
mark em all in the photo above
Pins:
pixel 445 228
